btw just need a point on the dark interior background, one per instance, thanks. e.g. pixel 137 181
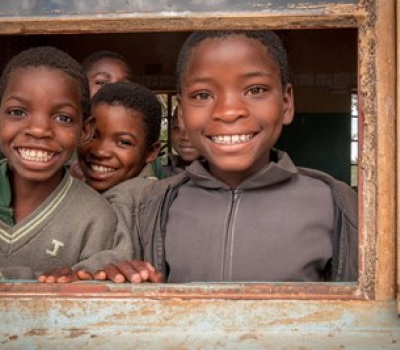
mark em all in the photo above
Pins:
pixel 323 66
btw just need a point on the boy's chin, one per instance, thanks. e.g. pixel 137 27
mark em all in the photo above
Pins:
pixel 99 186
pixel 230 164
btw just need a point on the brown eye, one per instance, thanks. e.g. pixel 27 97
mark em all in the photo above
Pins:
pixel 101 82
pixel 123 142
pixel 63 118
pixel 16 112
pixel 256 90
pixel 202 96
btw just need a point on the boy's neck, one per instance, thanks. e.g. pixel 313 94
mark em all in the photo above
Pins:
pixel 28 195
pixel 180 163
pixel 234 179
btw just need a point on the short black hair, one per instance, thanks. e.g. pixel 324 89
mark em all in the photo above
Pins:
pixel 90 60
pixel 268 38
pixel 135 97
pixel 51 57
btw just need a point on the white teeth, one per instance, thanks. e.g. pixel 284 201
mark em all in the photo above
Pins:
pixel 231 139
pixel 101 169
pixel 36 155
pixel 235 138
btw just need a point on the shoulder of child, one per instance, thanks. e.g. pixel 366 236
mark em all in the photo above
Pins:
pixel 343 195
pixel 156 189
pixel 127 191
pixel 96 203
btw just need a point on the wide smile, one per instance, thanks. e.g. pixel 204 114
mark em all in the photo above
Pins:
pixel 98 172
pixel 101 169
pixel 36 155
pixel 232 139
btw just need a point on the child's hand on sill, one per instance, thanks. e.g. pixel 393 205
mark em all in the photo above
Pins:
pixel 134 271
pixel 64 275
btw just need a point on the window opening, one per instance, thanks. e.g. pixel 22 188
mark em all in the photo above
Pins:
pixel 168 101
pixel 354 141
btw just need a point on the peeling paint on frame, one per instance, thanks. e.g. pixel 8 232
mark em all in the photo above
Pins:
pixel 90 313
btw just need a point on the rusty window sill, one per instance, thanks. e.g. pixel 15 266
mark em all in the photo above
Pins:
pixel 244 291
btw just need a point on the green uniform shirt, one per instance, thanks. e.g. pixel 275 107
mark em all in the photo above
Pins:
pixel 6 212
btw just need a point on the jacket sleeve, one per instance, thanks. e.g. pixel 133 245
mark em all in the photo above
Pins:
pixel 120 248
pixel 152 214
pixel 123 199
pixel 347 234
pixel 97 240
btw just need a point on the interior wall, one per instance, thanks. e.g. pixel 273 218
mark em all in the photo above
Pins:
pixel 323 62
pixel 324 69
pixel 323 66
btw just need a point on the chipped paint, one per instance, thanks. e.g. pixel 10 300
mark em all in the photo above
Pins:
pixel 188 324
pixel 48 8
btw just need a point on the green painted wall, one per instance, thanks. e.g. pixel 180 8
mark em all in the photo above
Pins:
pixel 319 141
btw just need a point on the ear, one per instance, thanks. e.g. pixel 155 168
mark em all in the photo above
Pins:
pixel 152 153
pixel 288 105
pixel 87 131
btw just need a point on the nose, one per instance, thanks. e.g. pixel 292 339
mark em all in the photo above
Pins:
pixel 99 149
pixel 229 108
pixel 183 134
pixel 39 126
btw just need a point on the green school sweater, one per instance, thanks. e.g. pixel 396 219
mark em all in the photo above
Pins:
pixel 70 228
pixel 6 212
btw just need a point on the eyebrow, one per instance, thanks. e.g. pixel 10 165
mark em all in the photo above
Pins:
pixel 257 74
pixel 24 101
pixel 246 75
pixel 13 97
pixel 124 133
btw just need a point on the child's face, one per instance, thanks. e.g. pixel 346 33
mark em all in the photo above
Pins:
pixel 106 71
pixel 233 105
pixel 118 150
pixel 181 143
pixel 40 122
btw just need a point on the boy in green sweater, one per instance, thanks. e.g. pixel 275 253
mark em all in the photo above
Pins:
pixel 45 220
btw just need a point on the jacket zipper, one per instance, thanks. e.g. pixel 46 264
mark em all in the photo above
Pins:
pixel 227 257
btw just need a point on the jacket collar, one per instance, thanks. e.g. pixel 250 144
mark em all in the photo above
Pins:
pixel 279 169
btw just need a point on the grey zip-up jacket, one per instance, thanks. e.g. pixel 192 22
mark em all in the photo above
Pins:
pixel 327 229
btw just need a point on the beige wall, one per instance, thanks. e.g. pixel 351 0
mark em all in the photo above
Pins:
pixel 323 62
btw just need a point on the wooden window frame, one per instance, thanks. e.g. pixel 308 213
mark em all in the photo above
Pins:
pixel 376 86
pixel 375 21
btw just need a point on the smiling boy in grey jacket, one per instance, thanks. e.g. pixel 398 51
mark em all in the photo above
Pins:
pixel 246 212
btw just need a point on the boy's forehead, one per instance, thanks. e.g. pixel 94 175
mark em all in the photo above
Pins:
pixel 229 43
pixel 44 72
pixel 107 61
pixel 109 109
pixel 230 49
